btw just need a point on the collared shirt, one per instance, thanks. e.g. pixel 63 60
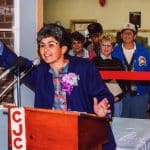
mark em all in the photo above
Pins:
pixel 128 53
pixel 60 101
pixel 84 55
pixel 104 57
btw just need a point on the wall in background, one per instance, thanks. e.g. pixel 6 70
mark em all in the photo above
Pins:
pixel 113 15
pixel 28 32
pixel 6 35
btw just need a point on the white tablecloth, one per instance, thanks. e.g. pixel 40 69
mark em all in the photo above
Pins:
pixel 131 134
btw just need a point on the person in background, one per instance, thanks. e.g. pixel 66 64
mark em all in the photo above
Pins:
pixel 134 57
pixel 95 30
pixel 118 38
pixel 62 82
pixel 106 62
pixel 77 44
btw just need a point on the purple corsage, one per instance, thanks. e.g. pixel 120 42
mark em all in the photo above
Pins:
pixel 68 81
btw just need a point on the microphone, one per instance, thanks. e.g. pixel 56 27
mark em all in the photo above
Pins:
pixel 35 63
pixel 18 63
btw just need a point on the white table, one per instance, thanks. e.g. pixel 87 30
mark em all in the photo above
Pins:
pixel 131 134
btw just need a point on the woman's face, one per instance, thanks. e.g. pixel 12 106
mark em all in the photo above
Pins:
pixel 77 46
pixel 106 48
pixel 51 51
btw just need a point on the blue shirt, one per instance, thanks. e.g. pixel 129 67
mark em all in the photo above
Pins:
pixel 60 101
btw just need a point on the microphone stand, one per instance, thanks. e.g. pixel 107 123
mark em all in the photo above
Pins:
pixel 17 79
pixel 18 103
pixel 9 86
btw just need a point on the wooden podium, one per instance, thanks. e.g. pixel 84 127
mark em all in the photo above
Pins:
pixel 59 130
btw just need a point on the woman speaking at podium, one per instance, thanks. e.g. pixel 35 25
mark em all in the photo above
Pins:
pixel 63 82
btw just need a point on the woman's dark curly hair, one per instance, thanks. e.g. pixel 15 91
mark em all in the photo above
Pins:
pixel 77 36
pixel 56 31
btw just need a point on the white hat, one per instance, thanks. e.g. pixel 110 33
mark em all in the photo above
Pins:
pixel 129 26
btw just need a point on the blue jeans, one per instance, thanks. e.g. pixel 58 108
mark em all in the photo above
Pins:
pixel 117 109
pixel 135 106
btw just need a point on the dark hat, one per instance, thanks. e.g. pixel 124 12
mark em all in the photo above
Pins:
pixel 95 28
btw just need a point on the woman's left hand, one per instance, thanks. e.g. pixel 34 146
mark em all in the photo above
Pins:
pixel 101 108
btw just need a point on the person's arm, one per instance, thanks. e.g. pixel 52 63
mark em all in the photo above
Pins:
pixel 98 89
pixel 7 56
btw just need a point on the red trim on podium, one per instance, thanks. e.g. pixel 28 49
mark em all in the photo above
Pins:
pixel 125 75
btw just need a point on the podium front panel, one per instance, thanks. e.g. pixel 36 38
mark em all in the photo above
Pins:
pixel 92 132
pixel 47 130
pixel 56 130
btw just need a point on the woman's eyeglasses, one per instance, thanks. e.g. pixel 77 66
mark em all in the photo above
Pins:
pixel 109 46
pixel 50 44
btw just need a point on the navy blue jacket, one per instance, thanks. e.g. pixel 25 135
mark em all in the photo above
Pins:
pixel 40 81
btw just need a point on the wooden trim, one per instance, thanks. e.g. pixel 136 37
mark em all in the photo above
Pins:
pixel 73 22
pixel 39 14
pixel 117 30
pixel 144 30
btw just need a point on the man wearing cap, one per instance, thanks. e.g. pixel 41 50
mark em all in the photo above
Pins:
pixel 134 57
pixel 95 30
